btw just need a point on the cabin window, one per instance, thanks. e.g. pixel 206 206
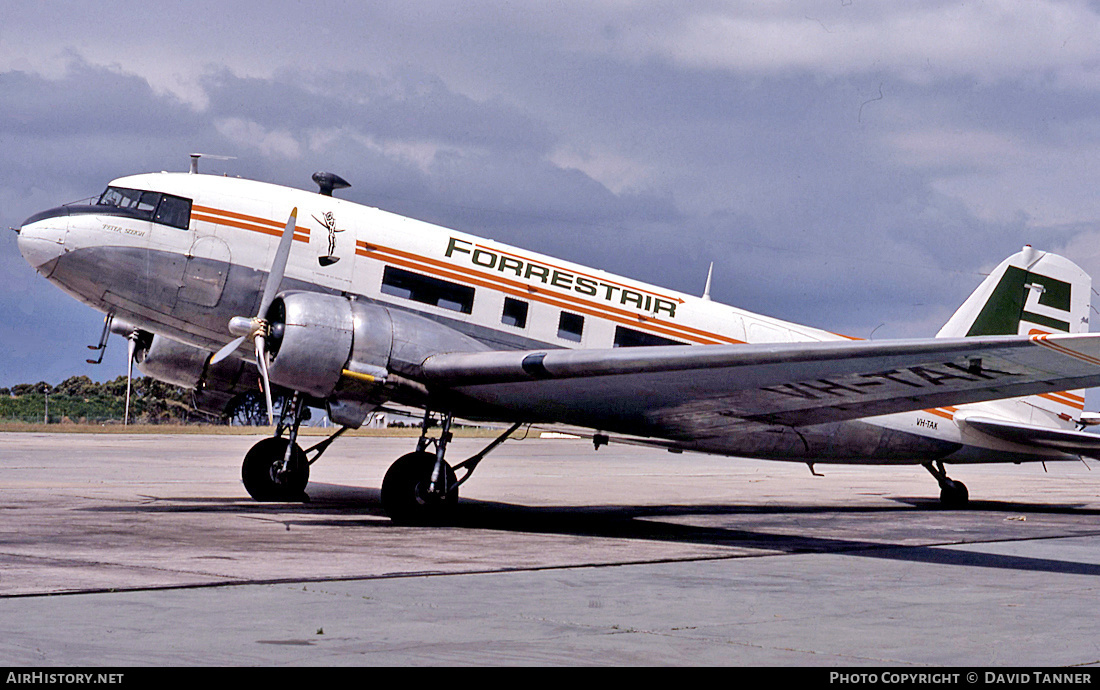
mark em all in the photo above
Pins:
pixel 427 290
pixel 515 313
pixel 165 209
pixel 570 326
pixel 628 337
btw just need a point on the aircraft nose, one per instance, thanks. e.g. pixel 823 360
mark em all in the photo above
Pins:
pixel 42 242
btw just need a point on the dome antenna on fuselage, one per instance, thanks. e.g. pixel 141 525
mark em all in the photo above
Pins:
pixel 329 181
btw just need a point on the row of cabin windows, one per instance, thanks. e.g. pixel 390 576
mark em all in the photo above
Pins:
pixel 427 290
pixel 442 293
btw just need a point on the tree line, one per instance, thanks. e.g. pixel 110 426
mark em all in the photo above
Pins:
pixel 79 399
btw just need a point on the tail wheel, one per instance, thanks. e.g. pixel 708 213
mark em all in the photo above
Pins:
pixel 953 494
pixel 405 495
pixel 266 479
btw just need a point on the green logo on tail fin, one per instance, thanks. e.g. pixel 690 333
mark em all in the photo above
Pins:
pixel 1013 301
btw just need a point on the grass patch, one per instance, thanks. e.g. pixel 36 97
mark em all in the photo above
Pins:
pixel 222 430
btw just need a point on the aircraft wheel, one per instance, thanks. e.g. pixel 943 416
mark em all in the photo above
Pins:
pixel 261 478
pixel 953 494
pixel 405 496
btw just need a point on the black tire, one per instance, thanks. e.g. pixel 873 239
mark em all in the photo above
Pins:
pixel 954 494
pixel 405 496
pixel 260 479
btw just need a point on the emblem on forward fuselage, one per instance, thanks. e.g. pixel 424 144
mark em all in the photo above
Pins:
pixel 328 221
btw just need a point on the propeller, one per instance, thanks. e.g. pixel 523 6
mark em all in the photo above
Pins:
pixel 257 328
pixel 131 348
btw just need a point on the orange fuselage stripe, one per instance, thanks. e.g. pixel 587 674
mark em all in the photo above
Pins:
pixel 947 412
pixel 252 223
pixel 579 273
pixel 1070 403
pixel 1057 347
pixel 408 260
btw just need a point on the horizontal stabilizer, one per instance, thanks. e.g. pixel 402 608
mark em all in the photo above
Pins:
pixel 1064 440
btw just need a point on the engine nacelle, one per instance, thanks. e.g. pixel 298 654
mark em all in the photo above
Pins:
pixel 322 344
pixel 315 338
pixel 172 362
pixel 184 365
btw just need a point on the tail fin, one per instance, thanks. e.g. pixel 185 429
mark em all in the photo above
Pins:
pixel 1030 293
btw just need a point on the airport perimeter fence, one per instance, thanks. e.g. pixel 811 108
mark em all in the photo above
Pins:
pixel 37 408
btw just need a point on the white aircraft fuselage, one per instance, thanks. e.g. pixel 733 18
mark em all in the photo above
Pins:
pixel 177 264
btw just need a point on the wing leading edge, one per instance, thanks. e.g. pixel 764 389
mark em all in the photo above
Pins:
pixel 790 384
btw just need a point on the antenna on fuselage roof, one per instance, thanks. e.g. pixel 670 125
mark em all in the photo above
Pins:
pixel 706 289
pixel 329 181
pixel 196 156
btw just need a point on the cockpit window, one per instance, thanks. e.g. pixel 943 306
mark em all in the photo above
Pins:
pixel 174 211
pixel 134 199
pixel 155 206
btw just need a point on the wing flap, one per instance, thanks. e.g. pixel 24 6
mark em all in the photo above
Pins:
pixel 1065 440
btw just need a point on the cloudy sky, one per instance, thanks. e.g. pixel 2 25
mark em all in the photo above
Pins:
pixel 852 165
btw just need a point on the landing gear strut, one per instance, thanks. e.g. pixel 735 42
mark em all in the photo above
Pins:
pixel 421 488
pixel 953 493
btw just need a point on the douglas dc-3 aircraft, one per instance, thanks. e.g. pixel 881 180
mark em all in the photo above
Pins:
pixel 224 285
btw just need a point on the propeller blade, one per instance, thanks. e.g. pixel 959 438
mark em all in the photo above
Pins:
pixel 131 347
pixel 227 350
pixel 261 361
pixel 255 327
pixel 278 267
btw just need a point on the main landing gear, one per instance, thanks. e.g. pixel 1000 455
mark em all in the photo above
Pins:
pixel 420 487
pixel 953 493
pixel 277 469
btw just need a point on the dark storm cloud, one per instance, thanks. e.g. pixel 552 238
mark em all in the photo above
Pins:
pixel 406 105
pixel 61 140
pixel 788 184
pixel 89 99
pixel 68 135
pixel 411 141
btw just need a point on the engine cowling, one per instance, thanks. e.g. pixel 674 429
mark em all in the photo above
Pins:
pixel 315 338
pixel 186 366
pixel 172 362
